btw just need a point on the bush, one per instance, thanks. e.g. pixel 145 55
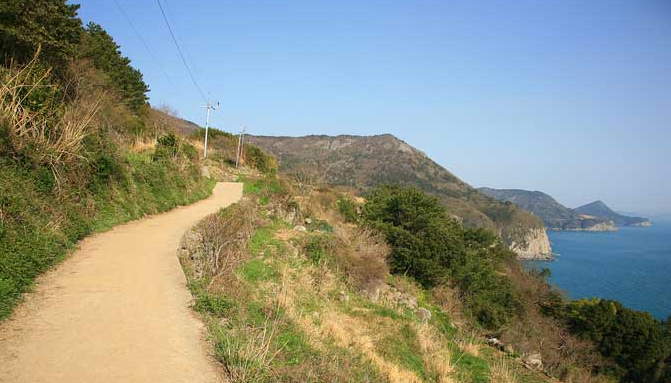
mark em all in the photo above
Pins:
pixel 634 339
pixel 433 248
pixel 362 255
pixel 348 209
pixel 260 160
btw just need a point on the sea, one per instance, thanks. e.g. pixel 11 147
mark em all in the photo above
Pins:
pixel 631 265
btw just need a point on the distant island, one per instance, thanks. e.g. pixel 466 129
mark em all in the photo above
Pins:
pixel 600 209
pixel 595 216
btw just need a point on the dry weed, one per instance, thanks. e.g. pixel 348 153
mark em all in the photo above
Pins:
pixel 502 370
pixel 435 353
pixel 469 344
pixel 54 140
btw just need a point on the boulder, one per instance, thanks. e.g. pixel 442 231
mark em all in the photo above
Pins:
pixel 534 361
pixel 423 314
pixel 343 297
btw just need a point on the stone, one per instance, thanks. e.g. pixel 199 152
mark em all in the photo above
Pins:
pixel 300 228
pixel 408 301
pixel 423 314
pixel 343 297
pixel 534 361
pixel 308 221
pixel 493 342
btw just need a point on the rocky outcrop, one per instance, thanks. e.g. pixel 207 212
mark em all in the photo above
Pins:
pixel 535 244
pixel 591 225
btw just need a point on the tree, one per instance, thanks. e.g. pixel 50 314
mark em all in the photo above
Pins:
pixel 51 24
pixel 423 237
pixel 99 47
pixel 430 246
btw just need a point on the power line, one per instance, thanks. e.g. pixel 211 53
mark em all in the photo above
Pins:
pixel 181 54
pixel 139 36
pixel 178 33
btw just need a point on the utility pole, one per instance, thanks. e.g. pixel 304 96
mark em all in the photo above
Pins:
pixel 241 145
pixel 209 107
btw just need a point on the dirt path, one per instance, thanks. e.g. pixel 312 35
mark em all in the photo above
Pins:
pixel 116 311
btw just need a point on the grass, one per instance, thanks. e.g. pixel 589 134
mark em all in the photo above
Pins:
pixel 403 348
pixel 257 270
pixel 289 322
pixel 39 227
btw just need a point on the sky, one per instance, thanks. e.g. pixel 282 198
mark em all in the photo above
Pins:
pixel 570 97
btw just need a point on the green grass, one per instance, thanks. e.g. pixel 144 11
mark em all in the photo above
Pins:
pixel 257 270
pixel 38 226
pixel 402 347
pixel 217 305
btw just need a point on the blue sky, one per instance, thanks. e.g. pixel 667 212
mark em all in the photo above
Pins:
pixel 568 97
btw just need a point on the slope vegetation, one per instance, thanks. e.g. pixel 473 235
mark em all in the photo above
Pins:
pixel 362 163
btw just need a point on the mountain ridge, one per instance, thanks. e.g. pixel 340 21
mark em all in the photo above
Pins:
pixel 555 216
pixel 363 162
pixel 599 209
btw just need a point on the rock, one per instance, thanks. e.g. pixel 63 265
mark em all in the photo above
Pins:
pixel 408 301
pixel 205 172
pixel 343 297
pixel 289 216
pixel 308 221
pixel 315 315
pixel 534 361
pixel 535 244
pixel 423 314
pixel 494 342
pixel 300 228
pixel 372 293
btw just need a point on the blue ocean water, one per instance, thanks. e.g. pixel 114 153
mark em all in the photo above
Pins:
pixel 632 265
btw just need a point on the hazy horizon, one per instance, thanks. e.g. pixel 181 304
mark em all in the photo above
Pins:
pixel 572 98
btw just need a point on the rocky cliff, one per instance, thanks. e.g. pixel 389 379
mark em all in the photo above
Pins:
pixel 363 162
pixel 534 244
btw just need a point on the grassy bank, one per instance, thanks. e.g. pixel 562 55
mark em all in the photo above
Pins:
pixel 39 226
pixel 317 303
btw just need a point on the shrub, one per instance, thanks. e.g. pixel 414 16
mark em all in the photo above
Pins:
pixel 348 209
pixel 260 160
pixel 434 249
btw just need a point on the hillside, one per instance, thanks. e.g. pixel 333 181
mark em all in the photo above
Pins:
pixel 601 210
pixel 294 282
pixel 555 216
pixel 363 162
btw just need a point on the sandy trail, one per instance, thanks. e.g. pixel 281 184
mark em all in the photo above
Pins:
pixel 117 310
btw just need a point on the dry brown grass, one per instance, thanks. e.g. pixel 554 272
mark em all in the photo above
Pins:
pixel 218 244
pixel 436 355
pixel 54 137
pixel 345 331
pixel 143 145
pixel 469 343
pixel 362 255
pixel 502 370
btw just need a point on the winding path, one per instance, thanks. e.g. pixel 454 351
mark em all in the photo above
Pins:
pixel 117 310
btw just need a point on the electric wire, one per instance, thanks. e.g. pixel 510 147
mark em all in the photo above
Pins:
pixel 181 54
pixel 144 43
